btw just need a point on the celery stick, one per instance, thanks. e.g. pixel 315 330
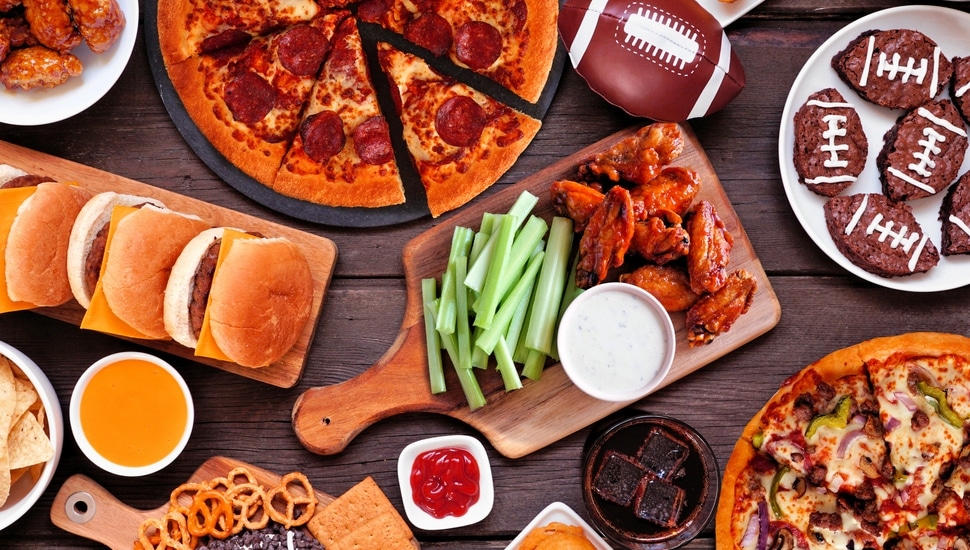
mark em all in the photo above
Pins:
pixel 489 300
pixel 534 365
pixel 514 333
pixel 570 294
pixel 503 316
pixel 436 371
pixel 523 246
pixel 466 377
pixel 461 310
pixel 479 357
pixel 475 280
pixel 460 243
pixel 549 288
pixel 523 205
pixel 481 237
pixel 505 366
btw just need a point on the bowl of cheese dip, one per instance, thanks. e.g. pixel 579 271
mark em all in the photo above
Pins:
pixel 131 414
pixel 616 342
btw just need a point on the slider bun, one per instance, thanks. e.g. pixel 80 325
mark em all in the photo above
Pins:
pixel 143 249
pixel 92 218
pixel 260 300
pixel 181 287
pixel 36 252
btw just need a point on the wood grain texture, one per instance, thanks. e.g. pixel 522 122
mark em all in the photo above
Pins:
pixel 87 509
pixel 515 423
pixel 320 252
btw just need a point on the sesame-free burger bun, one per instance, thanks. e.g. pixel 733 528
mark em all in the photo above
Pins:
pixel 188 288
pixel 260 300
pixel 86 247
pixel 37 243
pixel 142 251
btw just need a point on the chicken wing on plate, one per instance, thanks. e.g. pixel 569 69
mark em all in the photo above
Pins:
pixel 37 66
pixel 658 242
pixel 671 192
pixel 100 22
pixel 606 239
pixel 716 312
pixel 14 33
pixel 668 284
pixel 575 201
pixel 50 21
pixel 710 248
pixel 638 158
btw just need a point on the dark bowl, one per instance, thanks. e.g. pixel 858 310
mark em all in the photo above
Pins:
pixel 660 485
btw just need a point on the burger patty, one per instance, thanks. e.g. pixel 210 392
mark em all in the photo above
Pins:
pixel 25 181
pixel 201 285
pixel 92 263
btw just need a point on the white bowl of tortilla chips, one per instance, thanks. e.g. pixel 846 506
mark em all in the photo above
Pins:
pixel 32 426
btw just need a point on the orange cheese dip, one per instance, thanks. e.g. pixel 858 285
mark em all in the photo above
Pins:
pixel 133 413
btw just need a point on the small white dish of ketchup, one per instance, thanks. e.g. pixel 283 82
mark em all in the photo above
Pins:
pixel 446 482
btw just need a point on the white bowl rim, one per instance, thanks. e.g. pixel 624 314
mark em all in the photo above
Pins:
pixel 477 512
pixel 669 351
pixel 561 512
pixel 14 510
pixel 96 457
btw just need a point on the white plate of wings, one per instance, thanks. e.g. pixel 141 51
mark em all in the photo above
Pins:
pixel 949 28
pixel 100 72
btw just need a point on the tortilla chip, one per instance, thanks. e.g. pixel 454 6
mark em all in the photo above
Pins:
pixel 27 443
pixel 27 397
pixel 8 402
pixel 361 518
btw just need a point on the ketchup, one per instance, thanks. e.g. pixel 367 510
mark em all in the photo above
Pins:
pixel 445 482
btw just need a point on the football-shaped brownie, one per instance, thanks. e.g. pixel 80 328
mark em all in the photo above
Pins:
pixel 960 86
pixel 898 68
pixel 955 215
pixel 879 235
pixel 830 144
pixel 922 153
pixel 667 60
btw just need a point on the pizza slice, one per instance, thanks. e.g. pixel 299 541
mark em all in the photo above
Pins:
pixel 924 405
pixel 247 99
pixel 342 153
pixel 460 140
pixel 187 28
pixel 512 43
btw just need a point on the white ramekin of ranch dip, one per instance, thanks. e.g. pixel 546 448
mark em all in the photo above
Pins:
pixel 616 342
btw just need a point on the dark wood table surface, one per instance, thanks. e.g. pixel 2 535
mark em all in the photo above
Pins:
pixel 823 307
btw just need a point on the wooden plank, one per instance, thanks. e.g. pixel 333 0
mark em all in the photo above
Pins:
pixel 517 423
pixel 320 252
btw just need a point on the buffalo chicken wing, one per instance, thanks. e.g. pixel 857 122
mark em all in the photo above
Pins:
pixel 670 194
pixel 638 158
pixel 606 239
pixel 710 248
pixel 659 243
pixel 668 284
pixel 714 313
pixel 576 201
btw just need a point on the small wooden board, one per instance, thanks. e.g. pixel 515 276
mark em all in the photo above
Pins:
pixel 87 509
pixel 517 423
pixel 320 252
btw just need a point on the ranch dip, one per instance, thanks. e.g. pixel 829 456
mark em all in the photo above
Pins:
pixel 615 342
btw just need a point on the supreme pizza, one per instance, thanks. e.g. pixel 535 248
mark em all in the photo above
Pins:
pixel 865 449
pixel 284 90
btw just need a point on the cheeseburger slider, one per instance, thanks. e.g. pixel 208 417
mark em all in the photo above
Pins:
pixel 36 245
pixel 88 238
pixel 143 244
pixel 247 296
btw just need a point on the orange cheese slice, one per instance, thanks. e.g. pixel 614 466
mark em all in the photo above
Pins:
pixel 207 347
pixel 10 201
pixel 99 316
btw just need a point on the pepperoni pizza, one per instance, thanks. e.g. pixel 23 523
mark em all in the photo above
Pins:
pixel 865 449
pixel 283 90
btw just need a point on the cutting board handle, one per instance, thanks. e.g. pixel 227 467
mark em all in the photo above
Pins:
pixel 85 508
pixel 327 418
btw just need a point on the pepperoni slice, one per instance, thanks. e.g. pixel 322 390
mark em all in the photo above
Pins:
pixel 249 97
pixel 323 135
pixel 372 141
pixel 460 121
pixel 371 11
pixel 232 38
pixel 302 50
pixel 521 12
pixel 430 31
pixel 478 44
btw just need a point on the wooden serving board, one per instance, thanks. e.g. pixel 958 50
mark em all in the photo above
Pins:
pixel 85 508
pixel 327 418
pixel 320 252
